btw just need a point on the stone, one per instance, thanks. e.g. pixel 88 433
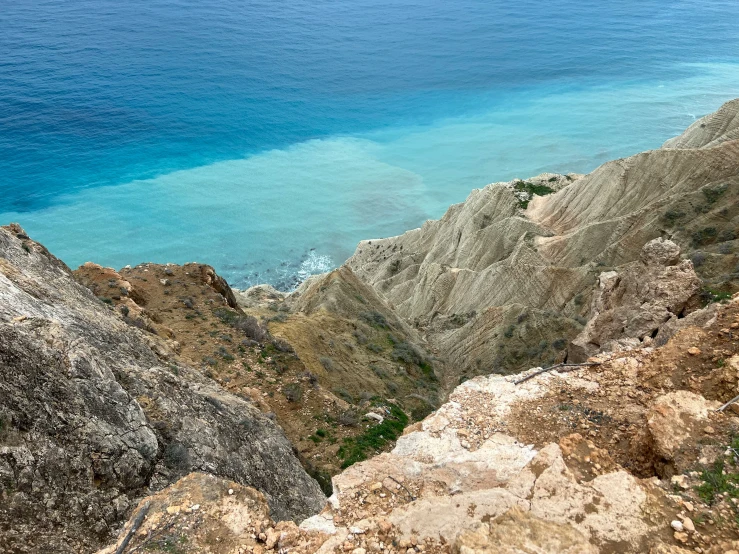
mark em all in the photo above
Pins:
pixel 694 351
pixel 673 417
pixel 519 532
pixel 677 525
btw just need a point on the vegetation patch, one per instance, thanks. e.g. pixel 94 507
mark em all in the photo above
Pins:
pixel 293 392
pixel 671 217
pixel 526 190
pixel 247 324
pixel 713 194
pixel 375 319
pixel 722 478
pixel 327 363
pixel 704 236
pixel 357 449
pixel 709 296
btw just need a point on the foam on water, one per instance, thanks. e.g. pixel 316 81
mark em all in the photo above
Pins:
pixel 283 214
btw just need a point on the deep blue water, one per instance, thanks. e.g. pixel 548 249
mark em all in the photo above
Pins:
pixel 267 138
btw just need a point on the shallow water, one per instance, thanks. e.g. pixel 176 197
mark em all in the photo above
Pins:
pixel 268 138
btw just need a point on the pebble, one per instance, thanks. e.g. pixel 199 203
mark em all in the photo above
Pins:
pixel 709 430
pixel 359 551
pixel 230 491
pixel 688 506
pixel 679 480
pixel 677 525
pixel 694 351
pixel 688 525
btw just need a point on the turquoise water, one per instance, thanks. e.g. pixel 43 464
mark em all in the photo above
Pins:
pixel 268 138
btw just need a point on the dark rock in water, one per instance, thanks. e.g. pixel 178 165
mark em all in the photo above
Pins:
pixel 91 419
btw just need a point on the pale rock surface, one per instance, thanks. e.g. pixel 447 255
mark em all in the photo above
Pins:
pixel 676 417
pixel 442 490
pixel 631 305
pixel 520 532
pixel 711 130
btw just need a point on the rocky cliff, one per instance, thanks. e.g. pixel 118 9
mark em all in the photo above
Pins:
pixel 91 418
pixel 507 277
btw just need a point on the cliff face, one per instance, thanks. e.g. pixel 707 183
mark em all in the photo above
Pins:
pixel 91 419
pixel 505 278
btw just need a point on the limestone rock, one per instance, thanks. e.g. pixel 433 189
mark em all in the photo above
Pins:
pixel 634 302
pixel 674 418
pixel 519 532
pixel 202 513
pixel 92 420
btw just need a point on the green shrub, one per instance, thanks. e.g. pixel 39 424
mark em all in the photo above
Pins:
pixel 344 394
pixel 703 236
pixel 224 354
pixel 293 392
pixel 530 189
pixel 375 319
pixel 713 194
pixel 559 344
pixel 718 479
pixel 709 296
pixel 672 216
pixel 404 352
pixel 357 448
pixel 327 363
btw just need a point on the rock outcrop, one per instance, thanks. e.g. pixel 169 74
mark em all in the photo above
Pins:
pixel 91 419
pixel 639 302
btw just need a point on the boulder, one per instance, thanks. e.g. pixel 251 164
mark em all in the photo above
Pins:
pixel 674 418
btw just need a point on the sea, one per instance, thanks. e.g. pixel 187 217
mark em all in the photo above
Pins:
pixel 267 138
